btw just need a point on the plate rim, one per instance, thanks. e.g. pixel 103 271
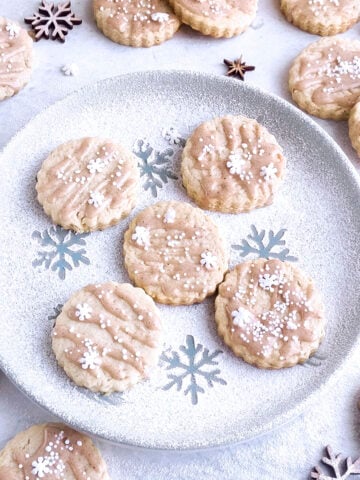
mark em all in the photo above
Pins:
pixel 349 169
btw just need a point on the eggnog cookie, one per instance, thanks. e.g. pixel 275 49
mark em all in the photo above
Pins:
pixel 175 253
pixel 354 127
pixel 16 55
pixel 51 451
pixel 218 18
pixel 324 79
pixel 270 314
pixel 322 17
pixel 139 23
pixel 108 337
pixel 232 164
pixel 88 184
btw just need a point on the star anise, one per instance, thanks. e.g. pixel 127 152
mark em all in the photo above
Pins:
pixel 53 21
pixel 238 68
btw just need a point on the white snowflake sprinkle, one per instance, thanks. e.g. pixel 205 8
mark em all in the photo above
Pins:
pixel 235 163
pixel 90 359
pixel 70 69
pixel 208 260
pixel 160 17
pixel 171 135
pixel 170 215
pixel 280 306
pixel 40 467
pixel 96 199
pixel 12 29
pixel 141 236
pixel 83 311
pixel 267 281
pixel 268 172
pixel 241 317
pixel 96 165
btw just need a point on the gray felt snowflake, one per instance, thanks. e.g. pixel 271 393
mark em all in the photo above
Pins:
pixel 59 248
pixel 341 467
pixel 314 361
pixel 265 249
pixel 155 166
pixel 57 311
pixel 192 366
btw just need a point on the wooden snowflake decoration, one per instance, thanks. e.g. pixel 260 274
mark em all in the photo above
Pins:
pixel 341 467
pixel 53 21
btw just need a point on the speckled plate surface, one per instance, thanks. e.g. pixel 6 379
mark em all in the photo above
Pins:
pixel 201 395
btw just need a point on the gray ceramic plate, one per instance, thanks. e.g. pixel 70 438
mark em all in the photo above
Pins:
pixel 201 395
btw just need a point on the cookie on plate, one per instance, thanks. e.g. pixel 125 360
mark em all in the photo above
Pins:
pixel 325 17
pixel 88 184
pixel 218 18
pixel 136 23
pixel 354 127
pixel 232 164
pixel 324 80
pixel 270 314
pixel 108 337
pixel 49 451
pixel 175 253
pixel 16 57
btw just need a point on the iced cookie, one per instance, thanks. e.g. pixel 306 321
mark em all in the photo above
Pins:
pixel 354 127
pixel 108 337
pixel 175 253
pixel 322 17
pixel 51 451
pixel 270 314
pixel 232 164
pixel 139 23
pixel 88 184
pixel 218 18
pixel 324 79
pixel 16 55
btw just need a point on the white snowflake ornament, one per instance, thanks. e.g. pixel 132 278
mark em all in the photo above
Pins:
pixel 241 317
pixel 268 172
pixel 91 358
pixel 171 135
pixel 141 236
pixel 83 311
pixel 268 281
pixel 70 69
pixel 96 199
pixel 208 260
pixel 40 467
pixel 96 165
pixel 235 163
pixel 12 29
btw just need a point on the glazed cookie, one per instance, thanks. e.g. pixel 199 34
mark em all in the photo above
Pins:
pixel 324 79
pixel 270 314
pixel 51 451
pixel 16 55
pixel 175 253
pixel 139 23
pixel 354 127
pixel 322 17
pixel 108 337
pixel 88 184
pixel 232 164
pixel 218 18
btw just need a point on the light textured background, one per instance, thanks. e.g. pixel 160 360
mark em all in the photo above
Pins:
pixel 270 44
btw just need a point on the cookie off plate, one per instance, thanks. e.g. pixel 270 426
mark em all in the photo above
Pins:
pixel 200 395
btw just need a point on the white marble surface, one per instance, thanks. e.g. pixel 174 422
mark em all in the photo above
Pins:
pixel 270 44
